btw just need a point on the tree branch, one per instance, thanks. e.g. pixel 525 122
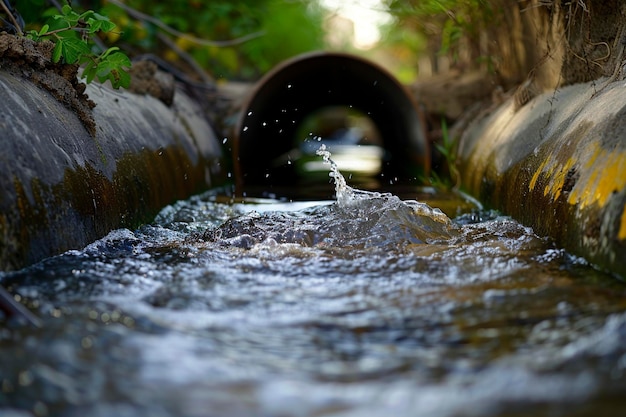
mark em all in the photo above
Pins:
pixel 146 18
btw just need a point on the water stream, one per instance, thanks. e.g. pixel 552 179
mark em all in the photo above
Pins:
pixel 368 305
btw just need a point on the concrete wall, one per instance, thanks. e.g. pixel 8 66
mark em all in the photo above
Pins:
pixel 557 164
pixel 62 187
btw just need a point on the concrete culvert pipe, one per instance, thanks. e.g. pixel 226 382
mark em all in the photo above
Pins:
pixel 270 124
pixel 68 178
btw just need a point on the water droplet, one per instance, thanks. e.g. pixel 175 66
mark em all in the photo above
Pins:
pixel 288 85
pixel 245 128
pixel 40 409
pixel 25 378
pixel 249 113
pixel 224 140
pixel 264 124
pixel 87 342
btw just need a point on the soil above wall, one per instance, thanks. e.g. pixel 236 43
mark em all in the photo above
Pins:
pixel 32 60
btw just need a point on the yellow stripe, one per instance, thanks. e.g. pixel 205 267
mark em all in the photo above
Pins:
pixel 600 177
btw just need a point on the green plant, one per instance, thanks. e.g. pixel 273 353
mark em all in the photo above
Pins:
pixel 447 148
pixel 230 39
pixel 455 29
pixel 74 37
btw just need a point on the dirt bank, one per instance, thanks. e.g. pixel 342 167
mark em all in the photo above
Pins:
pixel 32 60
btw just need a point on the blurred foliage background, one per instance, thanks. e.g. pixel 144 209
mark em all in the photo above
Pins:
pixel 245 38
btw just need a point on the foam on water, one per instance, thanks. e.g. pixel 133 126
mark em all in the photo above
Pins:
pixel 348 197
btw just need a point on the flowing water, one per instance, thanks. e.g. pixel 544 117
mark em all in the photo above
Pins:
pixel 365 306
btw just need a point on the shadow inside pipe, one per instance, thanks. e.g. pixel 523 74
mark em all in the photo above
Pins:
pixel 360 111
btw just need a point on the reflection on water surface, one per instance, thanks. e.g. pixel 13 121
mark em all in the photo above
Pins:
pixel 378 308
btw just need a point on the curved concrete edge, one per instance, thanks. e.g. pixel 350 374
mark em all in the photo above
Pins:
pixel 558 164
pixel 62 188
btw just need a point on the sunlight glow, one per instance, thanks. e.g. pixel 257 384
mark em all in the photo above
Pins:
pixel 366 15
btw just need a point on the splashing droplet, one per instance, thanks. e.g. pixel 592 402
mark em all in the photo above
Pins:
pixel 343 193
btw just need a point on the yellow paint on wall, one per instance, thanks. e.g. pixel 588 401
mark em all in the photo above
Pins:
pixel 556 174
pixel 600 173
pixel 600 178
pixel 558 179
pixel 538 171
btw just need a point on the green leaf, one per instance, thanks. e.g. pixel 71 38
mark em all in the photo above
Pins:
pixel 100 25
pixel 86 15
pixel 44 30
pixel 123 79
pixel 32 34
pixel 109 52
pixel 68 15
pixel 113 68
pixel 89 72
pixel 71 49
pixel 119 60
pixel 57 52
pixel 99 16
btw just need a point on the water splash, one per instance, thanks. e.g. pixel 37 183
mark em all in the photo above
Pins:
pixel 343 192
pixel 358 220
pixel 410 212
pixel 346 196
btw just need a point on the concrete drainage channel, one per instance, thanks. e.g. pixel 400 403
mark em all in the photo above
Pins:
pixel 557 164
pixel 62 187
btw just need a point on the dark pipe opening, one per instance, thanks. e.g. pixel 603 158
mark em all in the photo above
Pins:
pixel 273 116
